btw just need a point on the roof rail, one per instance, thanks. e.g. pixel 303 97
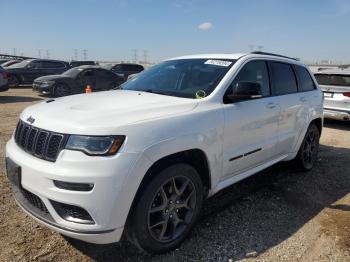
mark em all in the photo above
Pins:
pixel 272 54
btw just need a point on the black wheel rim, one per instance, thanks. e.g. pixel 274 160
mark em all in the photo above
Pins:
pixel 172 208
pixel 62 90
pixel 310 148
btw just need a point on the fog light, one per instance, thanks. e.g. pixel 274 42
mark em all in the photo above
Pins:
pixel 74 186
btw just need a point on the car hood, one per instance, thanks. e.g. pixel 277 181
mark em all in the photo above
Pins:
pixel 102 113
pixel 49 78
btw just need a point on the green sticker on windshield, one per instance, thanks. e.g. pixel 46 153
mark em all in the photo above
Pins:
pixel 200 94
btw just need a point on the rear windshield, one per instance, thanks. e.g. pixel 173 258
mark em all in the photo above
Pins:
pixel 333 80
pixel 20 64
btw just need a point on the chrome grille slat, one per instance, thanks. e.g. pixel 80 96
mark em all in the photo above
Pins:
pixel 38 142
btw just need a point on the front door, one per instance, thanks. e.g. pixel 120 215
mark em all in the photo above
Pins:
pixel 250 133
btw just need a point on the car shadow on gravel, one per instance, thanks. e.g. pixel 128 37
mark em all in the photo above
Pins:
pixel 17 99
pixel 335 124
pixel 251 216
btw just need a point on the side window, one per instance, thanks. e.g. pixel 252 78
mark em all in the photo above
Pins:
pixel 36 65
pixel 118 68
pixel 52 65
pixel 306 82
pixel 256 72
pixel 102 73
pixel 284 79
pixel 88 73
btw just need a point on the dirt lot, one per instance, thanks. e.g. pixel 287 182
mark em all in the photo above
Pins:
pixel 276 215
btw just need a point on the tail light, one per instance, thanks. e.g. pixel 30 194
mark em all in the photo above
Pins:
pixel 4 74
pixel 346 94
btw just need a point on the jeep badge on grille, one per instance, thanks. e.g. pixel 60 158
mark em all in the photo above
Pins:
pixel 30 120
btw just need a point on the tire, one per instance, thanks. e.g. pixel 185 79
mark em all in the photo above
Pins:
pixel 308 151
pixel 61 89
pixel 13 81
pixel 162 217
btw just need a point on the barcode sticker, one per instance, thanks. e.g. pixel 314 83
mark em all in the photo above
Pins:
pixel 218 62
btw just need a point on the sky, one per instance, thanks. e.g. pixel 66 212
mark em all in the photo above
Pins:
pixel 312 30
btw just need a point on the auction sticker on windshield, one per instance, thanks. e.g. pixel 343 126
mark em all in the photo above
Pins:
pixel 218 62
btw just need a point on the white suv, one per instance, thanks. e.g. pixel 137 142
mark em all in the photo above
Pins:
pixel 140 160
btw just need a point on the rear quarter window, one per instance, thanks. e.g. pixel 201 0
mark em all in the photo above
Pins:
pixel 305 81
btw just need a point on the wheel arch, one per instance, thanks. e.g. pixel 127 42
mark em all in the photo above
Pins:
pixel 194 157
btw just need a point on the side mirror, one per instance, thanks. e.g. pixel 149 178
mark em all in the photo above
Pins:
pixel 244 91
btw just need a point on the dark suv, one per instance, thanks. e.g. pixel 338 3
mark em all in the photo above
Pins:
pixel 124 70
pixel 26 71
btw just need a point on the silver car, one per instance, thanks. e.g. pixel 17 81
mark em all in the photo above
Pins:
pixel 3 80
pixel 335 84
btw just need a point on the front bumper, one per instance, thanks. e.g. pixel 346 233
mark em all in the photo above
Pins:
pixel 45 89
pixel 104 202
pixel 336 114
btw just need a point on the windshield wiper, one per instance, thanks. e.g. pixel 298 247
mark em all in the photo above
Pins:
pixel 159 92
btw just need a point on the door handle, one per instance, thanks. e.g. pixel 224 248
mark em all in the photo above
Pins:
pixel 302 99
pixel 271 105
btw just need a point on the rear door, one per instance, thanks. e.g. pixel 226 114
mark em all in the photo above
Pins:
pixel 87 77
pixel 32 71
pixel 250 132
pixel 103 80
pixel 53 67
pixel 293 105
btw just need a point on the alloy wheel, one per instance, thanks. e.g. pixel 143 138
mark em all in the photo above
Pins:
pixel 310 149
pixel 172 209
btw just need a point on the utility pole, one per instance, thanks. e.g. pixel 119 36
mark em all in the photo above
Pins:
pixel 47 53
pixel 39 53
pixel 14 51
pixel 145 56
pixel 75 54
pixel 84 54
pixel 135 54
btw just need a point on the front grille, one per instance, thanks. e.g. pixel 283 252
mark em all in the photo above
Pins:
pixel 38 142
pixel 34 200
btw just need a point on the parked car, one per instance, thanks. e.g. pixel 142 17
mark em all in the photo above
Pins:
pixel 140 160
pixel 75 80
pixel 4 60
pixel 26 71
pixel 80 63
pixel 125 70
pixel 335 84
pixel 3 80
pixel 11 62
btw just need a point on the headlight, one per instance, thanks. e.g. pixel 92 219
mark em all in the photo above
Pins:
pixel 46 83
pixel 95 145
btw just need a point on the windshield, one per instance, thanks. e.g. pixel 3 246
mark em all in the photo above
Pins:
pixel 20 64
pixel 190 78
pixel 333 80
pixel 73 72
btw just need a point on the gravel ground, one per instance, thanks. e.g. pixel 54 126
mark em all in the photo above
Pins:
pixel 276 215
